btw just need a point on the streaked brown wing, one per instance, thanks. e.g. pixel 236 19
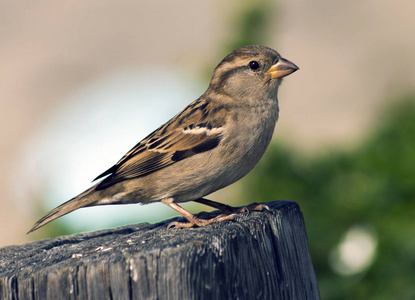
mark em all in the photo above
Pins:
pixel 195 130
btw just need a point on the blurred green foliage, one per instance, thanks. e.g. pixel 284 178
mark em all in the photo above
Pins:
pixel 373 185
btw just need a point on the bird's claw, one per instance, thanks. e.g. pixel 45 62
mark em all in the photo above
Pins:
pixel 248 208
pixel 180 225
pixel 201 222
pixel 256 207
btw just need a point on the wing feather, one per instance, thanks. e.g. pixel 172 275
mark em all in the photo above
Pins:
pixel 196 129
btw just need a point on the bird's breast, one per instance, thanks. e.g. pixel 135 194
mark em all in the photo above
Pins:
pixel 248 139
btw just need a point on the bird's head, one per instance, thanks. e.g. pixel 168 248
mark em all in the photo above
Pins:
pixel 251 71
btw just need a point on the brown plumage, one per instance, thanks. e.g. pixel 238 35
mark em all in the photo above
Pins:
pixel 212 143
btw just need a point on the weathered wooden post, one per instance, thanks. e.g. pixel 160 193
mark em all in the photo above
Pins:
pixel 260 255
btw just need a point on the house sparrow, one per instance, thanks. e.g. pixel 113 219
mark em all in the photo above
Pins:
pixel 213 142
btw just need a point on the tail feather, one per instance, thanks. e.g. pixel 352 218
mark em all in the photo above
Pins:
pixel 82 200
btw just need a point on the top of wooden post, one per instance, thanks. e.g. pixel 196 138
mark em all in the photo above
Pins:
pixel 260 255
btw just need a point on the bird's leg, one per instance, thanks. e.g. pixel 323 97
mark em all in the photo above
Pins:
pixel 193 220
pixel 214 204
pixel 230 209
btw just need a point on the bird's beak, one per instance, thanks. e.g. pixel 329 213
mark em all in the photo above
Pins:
pixel 282 68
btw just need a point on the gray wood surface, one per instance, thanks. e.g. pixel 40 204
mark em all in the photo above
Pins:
pixel 259 255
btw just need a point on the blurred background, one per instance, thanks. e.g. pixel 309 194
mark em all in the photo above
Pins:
pixel 81 82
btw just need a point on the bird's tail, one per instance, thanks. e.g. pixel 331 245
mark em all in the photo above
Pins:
pixel 87 198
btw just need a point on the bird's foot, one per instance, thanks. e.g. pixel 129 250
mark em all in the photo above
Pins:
pixel 228 212
pixel 201 222
pixel 251 207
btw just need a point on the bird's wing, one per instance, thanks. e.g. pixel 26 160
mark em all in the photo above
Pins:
pixel 197 129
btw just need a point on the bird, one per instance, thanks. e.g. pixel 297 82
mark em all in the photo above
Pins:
pixel 215 141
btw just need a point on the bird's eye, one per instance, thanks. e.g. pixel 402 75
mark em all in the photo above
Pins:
pixel 253 65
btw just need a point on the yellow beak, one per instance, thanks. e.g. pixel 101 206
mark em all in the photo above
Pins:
pixel 282 68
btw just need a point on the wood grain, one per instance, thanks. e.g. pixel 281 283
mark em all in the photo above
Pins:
pixel 260 255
